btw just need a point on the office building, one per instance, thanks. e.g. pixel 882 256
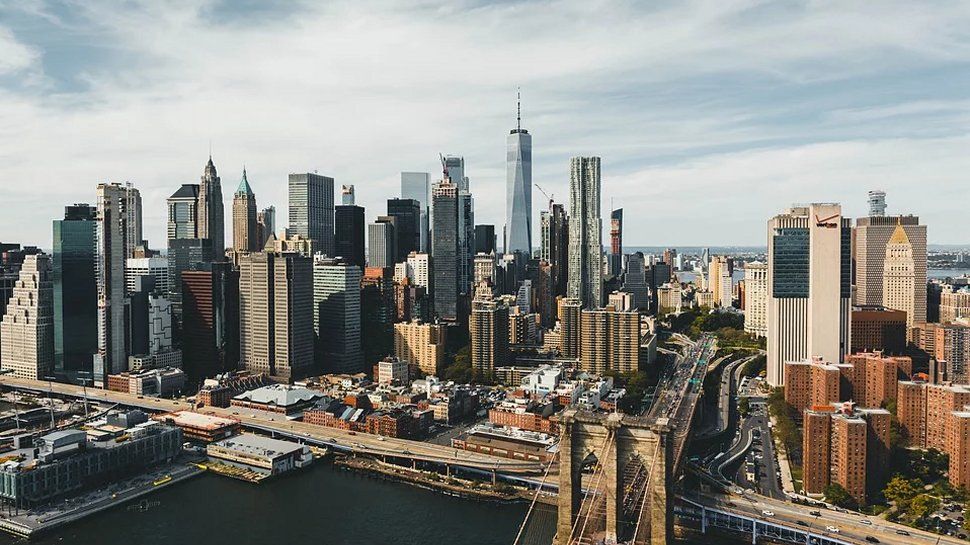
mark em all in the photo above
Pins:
pixel 211 211
pixel 485 239
pixel 276 314
pixel 755 303
pixel 444 249
pixel 518 189
pixel 265 224
pixel 485 268
pixel 75 284
pixel 349 234
pixel 489 331
pixel 554 246
pixel 112 247
pixel 421 344
pixel 877 203
pixel 616 242
pixel 890 261
pixel 336 315
pixel 585 271
pixel 809 275
pixel 407 223
pixel 878 328
pixel 416 186
pixel 27 329
pixel 609 341
pixel 210 319
pixel 311 209
pixel 245 234
pixel 183 253
pixel 635 281
pixel 154 267
pixel 382 242
pixel 347 195
pixel 182 212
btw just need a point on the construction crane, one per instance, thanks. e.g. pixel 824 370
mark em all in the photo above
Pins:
pixel 548 196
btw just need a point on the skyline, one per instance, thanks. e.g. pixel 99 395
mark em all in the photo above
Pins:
pixel 688 112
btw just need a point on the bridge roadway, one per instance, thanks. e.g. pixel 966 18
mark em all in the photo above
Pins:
pixel 278 424
pixel 798 517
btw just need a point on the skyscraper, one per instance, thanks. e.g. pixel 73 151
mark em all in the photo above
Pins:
pixel 75 284
pixel 382 242
pixel 570 318
pixel 485 239
pixel 133 221
pixel 347 195
pixel 609 341
pixel 899 275
pixel 453 167
pixel 872 237
pixel 554 248
pixel 407 215
pixel 809 278
pixel 276 314
pixel 336 315
pixel 416 186
pixel 112 248
pixel 266 224
pixel 444 249
pixel 27 329
pixel 488 328
pixel 348 238
pixel 245 236
pixel 210 319
pixel 635 281
pixel 518 188
pixel 211 211
pixel 585 232
pixel 877 203
pixel 616 242
pixel 756 299
pixel 311 209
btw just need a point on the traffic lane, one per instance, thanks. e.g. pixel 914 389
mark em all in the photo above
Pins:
pixel 850 525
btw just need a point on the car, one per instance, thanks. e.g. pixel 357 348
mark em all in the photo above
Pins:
pixel 872 539
pixel 833 529
pixel 767 513
pixel 866 521
pixel 815 513
pixel 902 532
pixel 801 523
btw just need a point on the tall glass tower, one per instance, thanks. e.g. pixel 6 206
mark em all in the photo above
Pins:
pixel 518 189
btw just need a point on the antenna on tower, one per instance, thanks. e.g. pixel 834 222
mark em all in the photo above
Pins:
pixel 518 108
pixel 444 166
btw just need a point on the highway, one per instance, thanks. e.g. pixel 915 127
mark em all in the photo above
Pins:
pixel 277 423
pixel 851 525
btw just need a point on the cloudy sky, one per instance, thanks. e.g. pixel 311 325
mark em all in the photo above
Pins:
pixel 709 116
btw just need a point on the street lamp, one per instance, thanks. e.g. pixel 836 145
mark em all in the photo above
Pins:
pixel 84 388
pixel 50 392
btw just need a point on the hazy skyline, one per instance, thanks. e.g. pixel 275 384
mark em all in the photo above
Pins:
pixel 710 117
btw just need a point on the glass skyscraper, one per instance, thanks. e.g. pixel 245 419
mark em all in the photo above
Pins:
pixel 518 191
pixel 311 209
pixel 416 185
pixel 444 250
pixel 75 289
pixel 585 270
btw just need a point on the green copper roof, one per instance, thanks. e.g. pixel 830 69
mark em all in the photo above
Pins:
pixel 244 188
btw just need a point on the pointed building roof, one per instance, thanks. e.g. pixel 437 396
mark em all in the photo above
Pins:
pixel 244 188
pixel 210 169
pixel 899 235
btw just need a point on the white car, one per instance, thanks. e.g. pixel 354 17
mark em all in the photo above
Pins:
pixel 866 521
pixel 832 529
pixel 767 513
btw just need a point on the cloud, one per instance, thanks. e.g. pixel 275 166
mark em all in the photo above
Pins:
pixel 722 112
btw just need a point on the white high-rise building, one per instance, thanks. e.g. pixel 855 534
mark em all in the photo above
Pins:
pixel 27 330
pixel 756 299
pixel 518 189
pixel 419 269
pixel 585 271
pixel 809 278
pixel 155 267
pixel 726 289
pixel 112 247
pixel 336 315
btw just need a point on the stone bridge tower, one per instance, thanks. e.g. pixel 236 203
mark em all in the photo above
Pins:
pixel 631 481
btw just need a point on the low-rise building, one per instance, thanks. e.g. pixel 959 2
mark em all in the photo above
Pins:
pixel 200 427
pixel 261 454
pixel 278 398
pixel 163 382
pixel 508 443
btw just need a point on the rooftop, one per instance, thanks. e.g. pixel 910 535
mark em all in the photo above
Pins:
pixel 258 445
pixel 281 395
pixel 196 420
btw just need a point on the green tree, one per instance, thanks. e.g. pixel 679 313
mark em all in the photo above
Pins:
pixel 900 490
pixel 837 495
pixel 923 506
pixel 744 406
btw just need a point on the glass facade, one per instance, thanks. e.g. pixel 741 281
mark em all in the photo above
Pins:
pixel 75 290
pixel 790 261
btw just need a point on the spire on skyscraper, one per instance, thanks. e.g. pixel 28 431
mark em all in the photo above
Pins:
pixel 244 188
pixel 518 108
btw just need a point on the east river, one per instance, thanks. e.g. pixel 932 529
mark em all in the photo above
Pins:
pixel 322 506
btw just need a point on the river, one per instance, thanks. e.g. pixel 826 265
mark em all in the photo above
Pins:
pixel 322 505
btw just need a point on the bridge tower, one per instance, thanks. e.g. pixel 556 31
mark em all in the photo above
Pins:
pixel 626 498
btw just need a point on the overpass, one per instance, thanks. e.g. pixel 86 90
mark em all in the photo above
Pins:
pixel 276 424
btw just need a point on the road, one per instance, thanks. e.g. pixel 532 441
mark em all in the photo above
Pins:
pixel 276 423
pixel 851 526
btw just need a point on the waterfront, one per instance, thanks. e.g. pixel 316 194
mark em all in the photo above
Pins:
pixel 322 505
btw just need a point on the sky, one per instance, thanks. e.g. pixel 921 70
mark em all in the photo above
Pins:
pixel 709 116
